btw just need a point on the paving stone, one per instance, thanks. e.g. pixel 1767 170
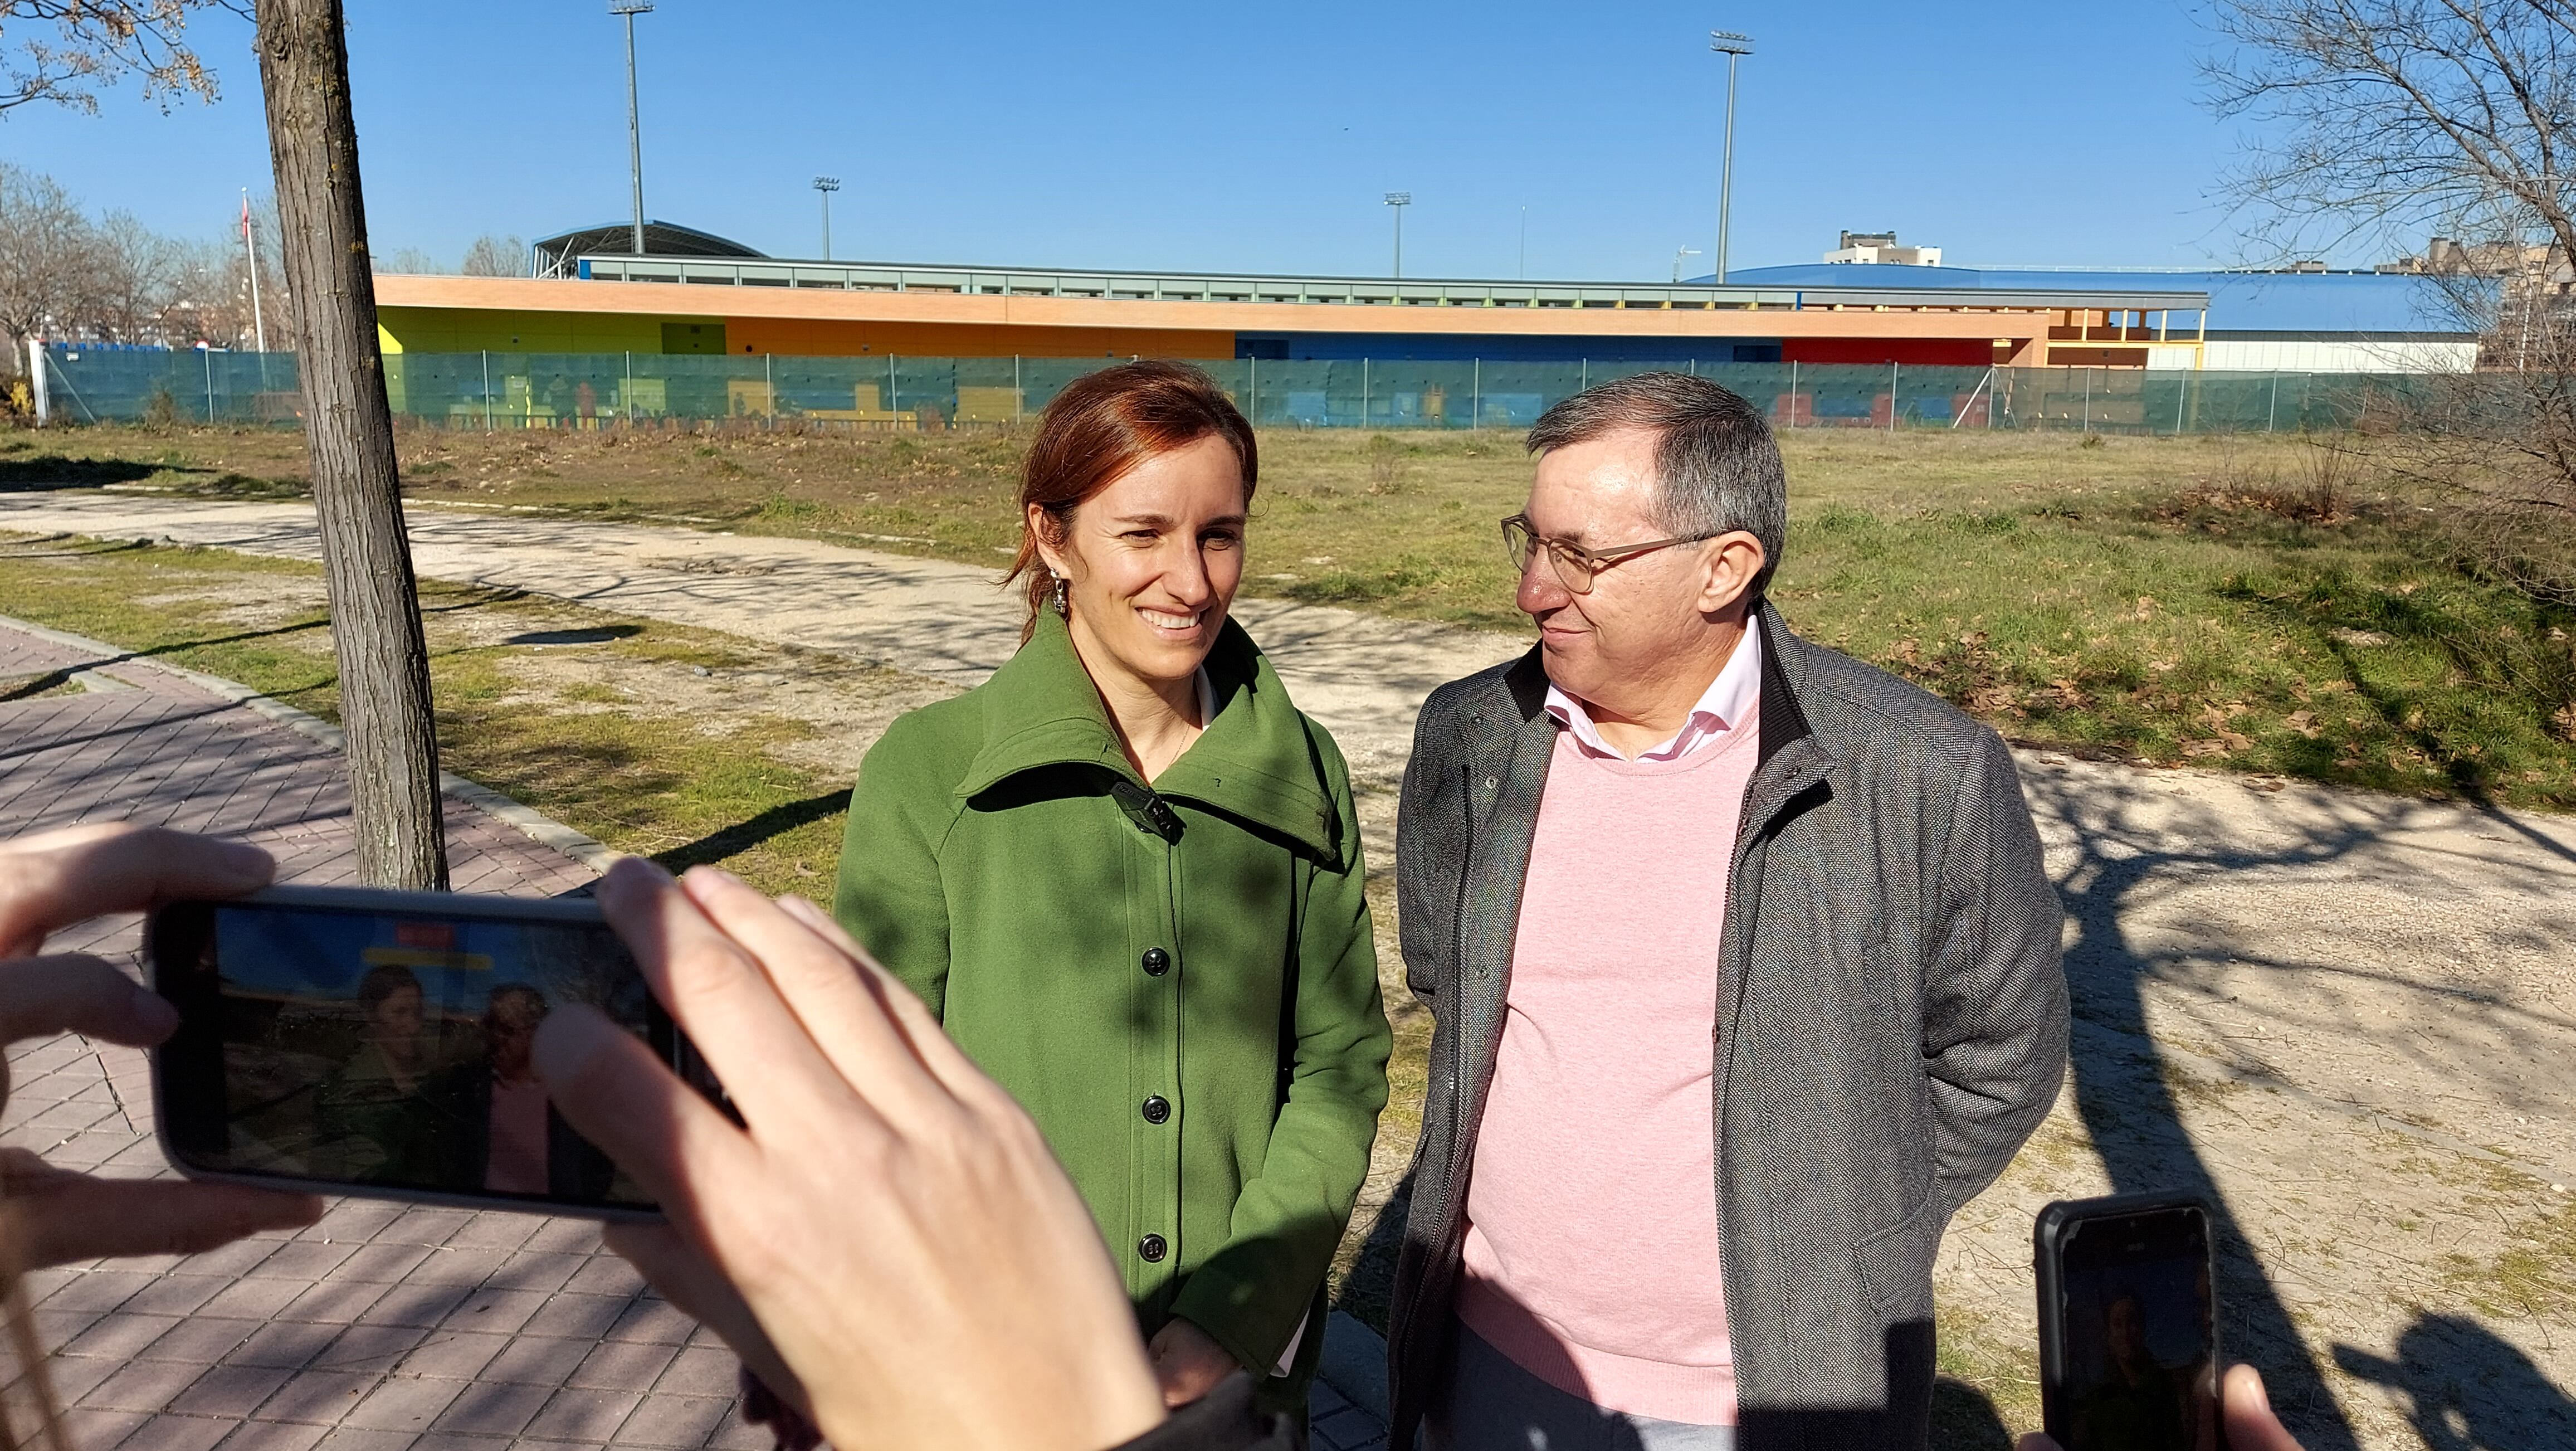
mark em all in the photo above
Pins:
pixel 698 1371
pixel 622 1366
pixel 200 1341
pixel 230 1391
pixel 120 1337
pixel 93 1427
pixel 453 1355
pixel 658 1321
pixel 369 1348
pixel 141 1385
pixel 493 1408
pixel 403 1403
pixel 583 1415
pixel 673 1421
pixel 495 1311
pixel 580 1317
pixel 271 1436
pixel 319 1396
pixel 286 1345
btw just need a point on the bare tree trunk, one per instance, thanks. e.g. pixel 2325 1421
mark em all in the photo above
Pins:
pixel 375 611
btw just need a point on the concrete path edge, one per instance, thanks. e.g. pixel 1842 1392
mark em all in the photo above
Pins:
pixel 535 825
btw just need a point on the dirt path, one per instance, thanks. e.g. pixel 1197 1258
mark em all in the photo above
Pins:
pixel 2349 1018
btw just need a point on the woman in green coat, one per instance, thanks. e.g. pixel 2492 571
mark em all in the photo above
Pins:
pixel 1125 872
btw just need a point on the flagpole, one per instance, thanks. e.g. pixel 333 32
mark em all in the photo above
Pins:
pixel 259 323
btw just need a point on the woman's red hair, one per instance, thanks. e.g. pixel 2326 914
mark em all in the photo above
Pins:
pixel 1098 430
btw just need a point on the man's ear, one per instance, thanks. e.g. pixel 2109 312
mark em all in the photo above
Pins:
pixel 1729 564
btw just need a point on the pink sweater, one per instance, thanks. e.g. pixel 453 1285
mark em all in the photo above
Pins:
pixel 1591 1257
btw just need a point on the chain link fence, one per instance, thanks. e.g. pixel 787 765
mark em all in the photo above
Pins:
pixel 884 392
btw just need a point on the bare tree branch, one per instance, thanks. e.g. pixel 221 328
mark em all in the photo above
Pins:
pixel 64 51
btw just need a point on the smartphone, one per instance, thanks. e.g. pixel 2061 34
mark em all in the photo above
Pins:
pixel 378 1044
pixel 2128 1324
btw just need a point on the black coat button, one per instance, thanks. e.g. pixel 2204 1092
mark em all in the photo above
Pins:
pixel 1152 1248
pixel 1157 962
pixel 1157 1109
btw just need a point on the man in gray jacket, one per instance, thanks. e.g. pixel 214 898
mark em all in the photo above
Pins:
pixel 1745 974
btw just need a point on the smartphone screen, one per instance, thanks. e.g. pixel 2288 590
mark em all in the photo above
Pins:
pixel 380 1043
pixel 2130 1310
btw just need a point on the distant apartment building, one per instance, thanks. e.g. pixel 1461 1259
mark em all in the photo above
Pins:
pixel 1880 248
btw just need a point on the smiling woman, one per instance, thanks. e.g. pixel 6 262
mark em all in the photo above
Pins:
pixel 1125 873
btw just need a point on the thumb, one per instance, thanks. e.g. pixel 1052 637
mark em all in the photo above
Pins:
pixel 2247 1409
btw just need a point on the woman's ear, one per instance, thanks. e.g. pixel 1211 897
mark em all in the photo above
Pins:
pixel 1050 537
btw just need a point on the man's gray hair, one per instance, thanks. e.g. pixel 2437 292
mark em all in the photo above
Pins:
pixel 1717 467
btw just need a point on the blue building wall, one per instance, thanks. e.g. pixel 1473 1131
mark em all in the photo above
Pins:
pixel 1460 348
pixel 2305 304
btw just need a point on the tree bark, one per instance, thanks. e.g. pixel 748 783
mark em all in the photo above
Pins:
pixel 375 610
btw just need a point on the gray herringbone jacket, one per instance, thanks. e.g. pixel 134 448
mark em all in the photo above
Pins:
pixel 1891 1021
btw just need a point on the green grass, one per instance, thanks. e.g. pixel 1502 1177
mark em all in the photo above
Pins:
pixel 2172 601
pixel 621 771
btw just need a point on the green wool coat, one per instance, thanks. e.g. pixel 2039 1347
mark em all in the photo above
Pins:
pixel 1178 982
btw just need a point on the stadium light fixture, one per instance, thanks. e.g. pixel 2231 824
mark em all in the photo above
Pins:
pixel 1678 254
pixel 1734 47
pixel 1399 200
pixel 827 185
pixel 629 9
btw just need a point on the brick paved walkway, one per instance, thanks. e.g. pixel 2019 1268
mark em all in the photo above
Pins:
pixel 380 1328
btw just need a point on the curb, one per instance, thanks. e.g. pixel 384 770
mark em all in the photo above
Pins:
pixel 534 825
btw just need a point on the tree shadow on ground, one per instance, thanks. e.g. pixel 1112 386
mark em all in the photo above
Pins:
pixel 2468 1389
pixel 50 473
pixel 742 836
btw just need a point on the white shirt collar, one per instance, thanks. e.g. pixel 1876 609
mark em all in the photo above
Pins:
pixel 1730 701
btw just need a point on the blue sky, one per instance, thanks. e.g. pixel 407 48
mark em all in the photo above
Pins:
pixel 1185 135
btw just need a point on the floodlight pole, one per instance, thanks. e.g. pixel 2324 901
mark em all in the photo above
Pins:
pixel 1678 254
pixel 629 9
pixel 1399 200
pixel 827 185
pixel 1733 46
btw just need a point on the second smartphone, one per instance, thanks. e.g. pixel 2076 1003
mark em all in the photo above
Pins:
pixel 379 1044
pixel 2128 1324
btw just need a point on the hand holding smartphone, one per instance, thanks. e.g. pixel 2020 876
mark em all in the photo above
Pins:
pixel 2128 1324
pixel 379 1043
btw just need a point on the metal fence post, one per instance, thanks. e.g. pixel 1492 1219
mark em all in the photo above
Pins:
pixel 487 390
pixel 44 388
pixel 2180 394
pixel 1793 392
pixel 769 381
pixel 1891 396
pixel 629 389
pixel 1476 395
pixel 2272 409
pixel 1583 383
pixel 2088 400
pixel 1364 392
pixel 1254 392
pixel 1019 395
pixel 894 389
pixel 209 355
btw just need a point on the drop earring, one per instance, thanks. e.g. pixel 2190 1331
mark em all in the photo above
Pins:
pixel 1063 606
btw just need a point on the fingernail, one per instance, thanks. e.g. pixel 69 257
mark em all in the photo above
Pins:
pixel 243 859
pixel 153 1013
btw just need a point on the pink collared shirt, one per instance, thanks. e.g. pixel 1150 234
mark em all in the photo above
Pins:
pixel 1593 1255
pixel 1729 701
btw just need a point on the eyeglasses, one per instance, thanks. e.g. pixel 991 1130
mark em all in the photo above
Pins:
pixel 1575 565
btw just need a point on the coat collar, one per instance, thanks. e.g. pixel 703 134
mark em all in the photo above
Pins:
pixel 1255 761
pixel 1784 678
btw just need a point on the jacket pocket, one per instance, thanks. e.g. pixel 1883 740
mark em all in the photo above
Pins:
pixel 1896 1263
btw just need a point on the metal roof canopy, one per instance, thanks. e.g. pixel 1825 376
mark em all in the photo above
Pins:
pixel 1348 291
pixel 556 255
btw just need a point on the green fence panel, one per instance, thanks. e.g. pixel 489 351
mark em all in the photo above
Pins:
pixel 893 392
